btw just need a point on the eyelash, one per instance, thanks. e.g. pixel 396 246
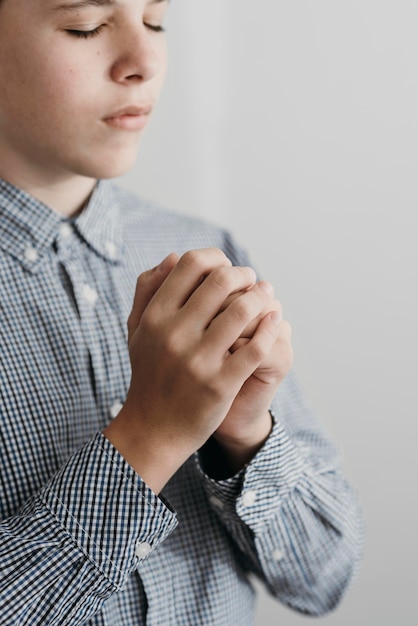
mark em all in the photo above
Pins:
pixel 85 34
pixel 88 34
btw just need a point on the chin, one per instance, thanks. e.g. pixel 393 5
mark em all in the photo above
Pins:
pixel 114 166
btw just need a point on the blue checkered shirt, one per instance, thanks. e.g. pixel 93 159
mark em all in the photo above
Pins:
pixel 83 540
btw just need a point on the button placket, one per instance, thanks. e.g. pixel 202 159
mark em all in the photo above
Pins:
pixel 89 294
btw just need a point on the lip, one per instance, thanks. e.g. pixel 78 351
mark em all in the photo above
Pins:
pixel 129 117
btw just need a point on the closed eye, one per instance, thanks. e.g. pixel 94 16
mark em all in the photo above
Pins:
pixel 85 34
pixel 88 34
pixel 156 29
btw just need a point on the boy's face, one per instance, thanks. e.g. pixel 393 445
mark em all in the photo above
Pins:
pixel 78 80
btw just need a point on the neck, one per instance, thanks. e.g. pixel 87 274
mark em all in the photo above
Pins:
pixel 65 193
pixel 66 197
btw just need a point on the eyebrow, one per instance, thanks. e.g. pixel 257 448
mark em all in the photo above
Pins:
pixel 80 4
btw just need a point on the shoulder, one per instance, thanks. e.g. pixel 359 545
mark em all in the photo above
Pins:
pixel 146 224
pixel 138 211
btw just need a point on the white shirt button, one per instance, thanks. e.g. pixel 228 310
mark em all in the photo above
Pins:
pixel 65 229
pixel 249 497
pixel 31 255
pixel 89 294
pixel 111 249
pixel 277 555
pixel 142 550
pixel 115 409
pixel 216 502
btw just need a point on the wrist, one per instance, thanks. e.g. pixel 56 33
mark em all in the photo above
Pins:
pixel 152 458
pixel 240 447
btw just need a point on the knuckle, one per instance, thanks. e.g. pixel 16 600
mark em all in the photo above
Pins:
pixel 241 310
pixel 219 256
pixel 141 280
pixel 248 275
pixel 154 317
pixel 222 278
pixel 145 282
pixel 256 352
pixel 173 345
pixel 204 258
pixel 191 258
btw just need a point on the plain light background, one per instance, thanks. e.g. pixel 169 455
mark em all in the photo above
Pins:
pixel 294 124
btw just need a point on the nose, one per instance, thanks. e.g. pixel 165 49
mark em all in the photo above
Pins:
pixel 139 57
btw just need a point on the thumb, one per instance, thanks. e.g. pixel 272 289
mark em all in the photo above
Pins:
pixel 147 285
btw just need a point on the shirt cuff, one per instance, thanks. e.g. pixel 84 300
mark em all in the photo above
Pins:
pixel 255 493
pixel 109 512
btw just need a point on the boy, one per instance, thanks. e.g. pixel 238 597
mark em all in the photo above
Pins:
pixel 140 486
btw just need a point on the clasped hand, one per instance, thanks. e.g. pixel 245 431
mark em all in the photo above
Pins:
pixel 208 349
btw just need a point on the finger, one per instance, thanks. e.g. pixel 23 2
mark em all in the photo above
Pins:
pixel 278 362
pixel 250 353
pixel 189 272
pixel 229 325
pixel 206 301
pixel 242 341
pixel 147 285
pixel 273 305
pixel 234 296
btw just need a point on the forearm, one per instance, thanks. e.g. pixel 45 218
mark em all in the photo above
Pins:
pixel 155 459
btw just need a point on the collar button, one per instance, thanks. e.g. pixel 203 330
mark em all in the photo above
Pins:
pixel 65 229
pixel 111 249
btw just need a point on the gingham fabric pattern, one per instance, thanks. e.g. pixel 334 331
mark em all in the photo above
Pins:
pixel 82 539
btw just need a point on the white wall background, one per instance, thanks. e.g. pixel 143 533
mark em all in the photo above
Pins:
pixel 295 125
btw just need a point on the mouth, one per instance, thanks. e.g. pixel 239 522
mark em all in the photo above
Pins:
pixel 129 118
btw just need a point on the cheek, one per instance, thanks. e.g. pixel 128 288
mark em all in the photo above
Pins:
pixel 31 83
pixel 64 91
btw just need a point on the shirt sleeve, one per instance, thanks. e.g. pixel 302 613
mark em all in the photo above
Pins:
pixel 76 542
pixel 295 520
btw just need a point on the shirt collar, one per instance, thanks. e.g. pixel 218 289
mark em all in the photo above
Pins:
pixel 28 228
pixel 99 223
